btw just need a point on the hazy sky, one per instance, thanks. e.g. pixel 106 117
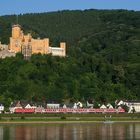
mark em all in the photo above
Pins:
pixel 31 6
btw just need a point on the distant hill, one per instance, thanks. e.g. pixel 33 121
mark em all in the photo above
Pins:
pixel 103 49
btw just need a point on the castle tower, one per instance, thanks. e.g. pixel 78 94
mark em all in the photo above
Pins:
pixel 15 40
pixel 16 31
pixel 63 46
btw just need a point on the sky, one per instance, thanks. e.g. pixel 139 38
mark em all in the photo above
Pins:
pixel 9 7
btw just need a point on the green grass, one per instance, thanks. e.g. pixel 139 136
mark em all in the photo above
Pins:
pixel 72 115
pixel 67 117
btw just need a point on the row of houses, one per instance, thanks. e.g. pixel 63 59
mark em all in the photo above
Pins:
pixel 28 105
pixel 21 107
pixel 133 106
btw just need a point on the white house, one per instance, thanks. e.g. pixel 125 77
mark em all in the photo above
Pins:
pixel 103 107
pixel 118 103
pixel 75 106
pixel 28 106
pixel 19 105
pixel 14 105
pixel 109 106
pixel 53 106
pixel 133 105
pixel 90 105
pixel 79 104
pixel 64 106
pixel 1 108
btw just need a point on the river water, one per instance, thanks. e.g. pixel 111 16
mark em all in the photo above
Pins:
pixel 71 131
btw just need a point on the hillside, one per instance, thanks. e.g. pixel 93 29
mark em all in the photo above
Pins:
pixel 103 61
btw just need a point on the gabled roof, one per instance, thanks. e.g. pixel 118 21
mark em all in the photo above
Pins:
pixel 25 103
pixel 103 107
pixel 16 104
pixel 22 103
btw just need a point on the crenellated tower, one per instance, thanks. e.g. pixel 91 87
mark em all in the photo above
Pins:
pixel 16 31
pixel 16 39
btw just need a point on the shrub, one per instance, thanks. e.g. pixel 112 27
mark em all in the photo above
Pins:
pixel 63 118
pixel 12 118
pixel 22 117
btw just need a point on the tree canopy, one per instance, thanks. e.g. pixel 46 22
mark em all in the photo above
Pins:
pixel 102 63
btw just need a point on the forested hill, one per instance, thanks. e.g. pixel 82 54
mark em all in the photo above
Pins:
pixel 102 63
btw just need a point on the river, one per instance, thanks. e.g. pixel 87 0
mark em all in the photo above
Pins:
pixel 71 131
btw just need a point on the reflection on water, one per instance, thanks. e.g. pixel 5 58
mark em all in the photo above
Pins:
pixel 86 131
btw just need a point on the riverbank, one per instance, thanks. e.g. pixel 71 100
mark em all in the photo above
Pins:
pixel 53 118
pixel 65 122
pixel 68 118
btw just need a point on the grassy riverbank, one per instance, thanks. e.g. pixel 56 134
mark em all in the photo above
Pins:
pixel 48 118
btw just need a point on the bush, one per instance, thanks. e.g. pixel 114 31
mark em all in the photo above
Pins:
pixel 63 118
pixel 22 117
pixel 12 118
pixel 125 107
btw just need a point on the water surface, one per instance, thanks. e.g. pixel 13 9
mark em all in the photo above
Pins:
pixel 77 131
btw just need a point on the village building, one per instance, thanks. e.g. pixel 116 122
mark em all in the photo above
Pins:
pixel 134 106
pixel 110 106
pixel 64 106
pixel 1 108
pixel 21 105
pixel 89 104
pixel 75 106
pixel 53 105
pixel 15 105
pixel 103 107
pixel 79 104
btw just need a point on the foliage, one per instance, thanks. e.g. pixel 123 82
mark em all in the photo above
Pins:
pixel 102 63
pixel 125 107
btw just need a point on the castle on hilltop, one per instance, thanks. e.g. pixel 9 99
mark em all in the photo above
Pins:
pixel 19 42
